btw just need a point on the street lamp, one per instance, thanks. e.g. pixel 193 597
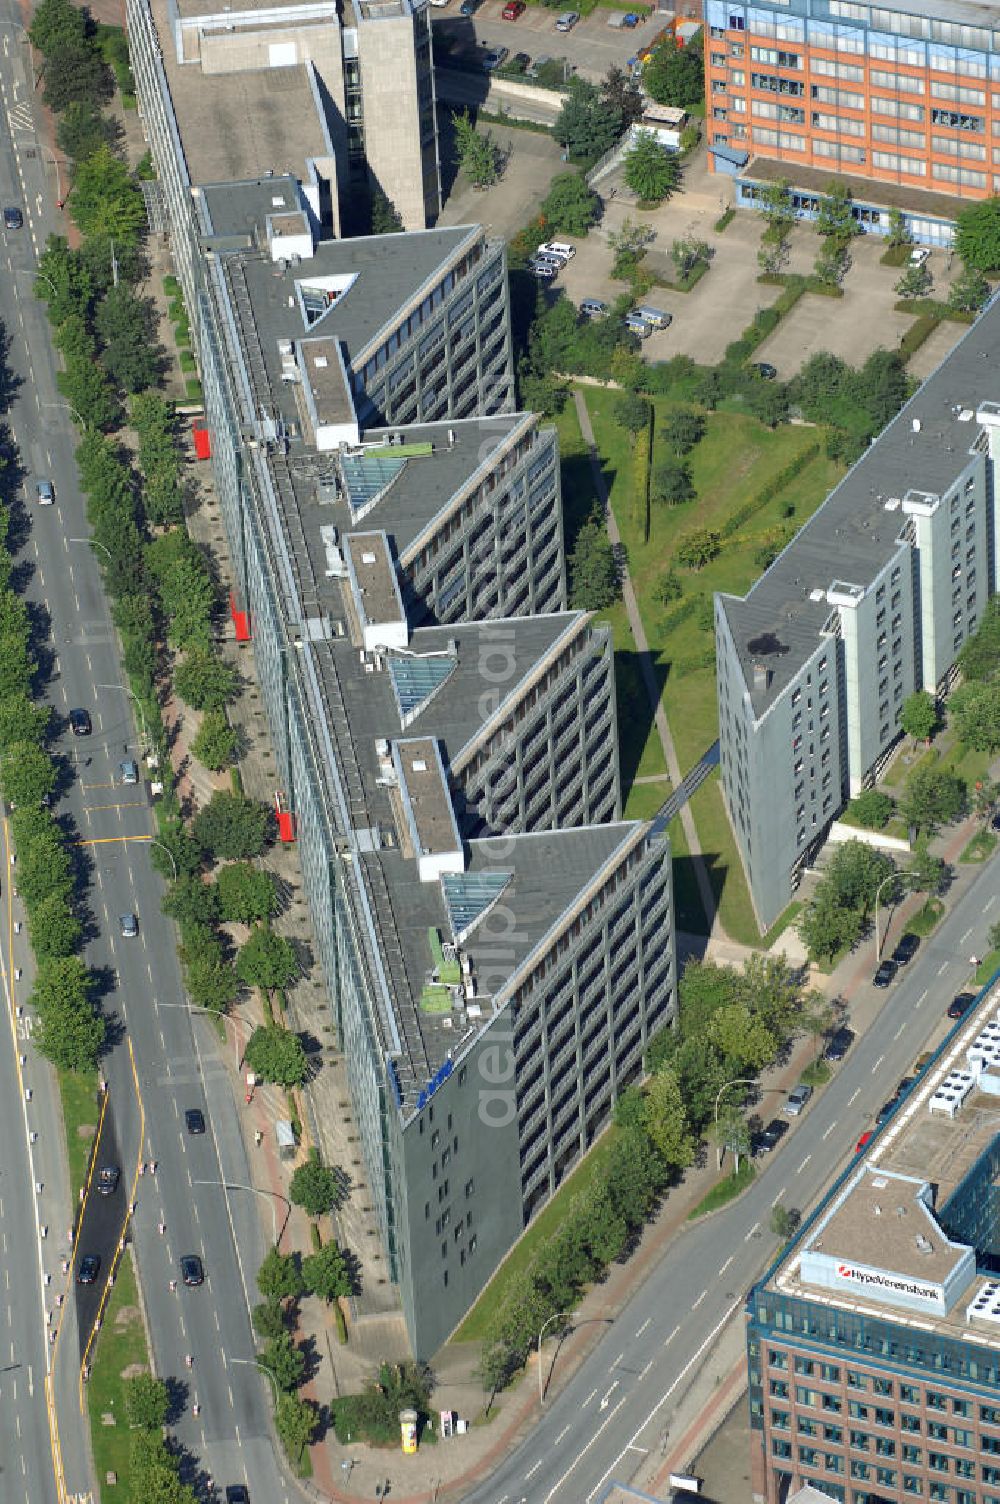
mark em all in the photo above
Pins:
pixel 124 689
pixel 739 1081
pixel 90 542
pixel 36 276
pixel 556 1316
pixel 891 877
pixel 234 1185
pixel 68 406
pixel 173 863
pixel 256 1363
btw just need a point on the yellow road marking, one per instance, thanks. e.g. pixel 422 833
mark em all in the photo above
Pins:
pixel 107 840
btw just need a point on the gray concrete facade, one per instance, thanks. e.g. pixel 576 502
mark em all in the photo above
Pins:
pixel 815 663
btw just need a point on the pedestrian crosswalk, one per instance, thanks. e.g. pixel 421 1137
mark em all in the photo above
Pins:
pixel 20 117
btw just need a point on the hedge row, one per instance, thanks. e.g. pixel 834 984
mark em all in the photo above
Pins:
pixel 768 492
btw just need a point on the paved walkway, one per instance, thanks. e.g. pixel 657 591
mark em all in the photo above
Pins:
pixel 646 668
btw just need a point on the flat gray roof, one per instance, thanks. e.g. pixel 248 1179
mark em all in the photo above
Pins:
pixel 389 271
pixel 917 201
pixel 235 125
pixel 375 576
pixel 852 536
pixel 426 797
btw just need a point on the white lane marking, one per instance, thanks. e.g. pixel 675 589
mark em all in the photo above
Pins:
pixel 967 934
pixel 855 1097
pixel 989 904
pixel 532 1470
pixel 645 1324
pixel 564 1432
pixel 828 1132
pixel 754 1229
pixel 673 1334
pixel 803 1164
pixel 920 998
pixel 942 968
pixel 726 1265
pixel 590 1396
pixel 877 1064
pixel 606 1398
pixel 779 1195
pixel 698 1302
pixel 899 1031
pixel 644 1371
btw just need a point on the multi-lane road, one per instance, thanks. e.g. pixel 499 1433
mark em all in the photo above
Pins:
pixel 612 1415
pixel 164 1059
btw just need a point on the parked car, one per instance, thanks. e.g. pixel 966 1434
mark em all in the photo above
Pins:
pixel 541 61
pixel 519 62
pixel 494 58
pixel 108 1177
pixel 512 10
pixel 919 255
pixel 797 1099
pixel 567 20
pixel 469 7
pixel 840 1043
pixel 656 318
pixel 561 250
pixel 768 1138
pixel 907 948
pixel 960 1004
pixel 129 771
pixel 635 325
pixel 593 308
pixel 765 370
pixel 543 270
pixel 886 1110
pixel 922 1062
pixel 885 974
pixel 865 1138
pixel 905 1085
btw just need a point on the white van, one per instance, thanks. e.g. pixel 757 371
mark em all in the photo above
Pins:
pixel 655 317
pixel 558 250
pixel 635 324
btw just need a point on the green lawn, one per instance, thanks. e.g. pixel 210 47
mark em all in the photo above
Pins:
pixel 121 1346
pixel 512 1271
pixel 725 1191
pixel 725 868
pixel 987 966
pixel 926 918
pixel 689 912
pixel 982 845
pixel 734 461
pixel 80 1118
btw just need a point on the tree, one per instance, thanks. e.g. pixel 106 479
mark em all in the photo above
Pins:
pixel 622 96
pixel 386 218
pixel 54 928
pixel 285 1362
pixel 833 263
pixel 784 1221
pixel 56 22
pixel 834 218
pixel 586 125
pixel 984 797
pixel 245 893
pixel 215 743
pixel 75 73
pixel 127 327
pixel 295 1421
pixel 673 75
pixel 682 429
pixel 698 548
pixel 733 1133
pixel 899 231
pixel 652 171
pixel 854 874
pixel 743 1040
pixel 266 960
pixel 629 244
pixel 571 206
pixel 916 282
pixel 666 1120
pixel 27 774
pixel 204 681
pixel 969 291
pixel 477 152
pixel 873 809
pixel 231 826
pixel 268 1318
pixel 82 129
pixel 69 1032
pixel 314 1187
pixel 327 1273
pixel 919 717
pixel 670 588
pixel 772 258
pixel 188 598
pixel 21 720
pixel 182 853
pixel 632 412
pixel 275 1054
pixel 687 253
pixel 211 982
pixel 931 798
pixel 106 199
pixel 279 1276
pixel 593 572
pixel 672 483
pixel 977 235
pixel 826 927
pixel 926 871
pixel 975 715
pixel 775 204
pixel 147 1402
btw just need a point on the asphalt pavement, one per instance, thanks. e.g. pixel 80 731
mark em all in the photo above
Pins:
pixel 615 1413
pixel 174 1059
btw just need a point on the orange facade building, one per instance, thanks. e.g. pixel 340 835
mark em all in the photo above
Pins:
pixel 904 96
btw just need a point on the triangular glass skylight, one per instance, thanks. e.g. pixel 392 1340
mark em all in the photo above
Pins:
pixel 367 477
pixel 469 897
pixel 416 680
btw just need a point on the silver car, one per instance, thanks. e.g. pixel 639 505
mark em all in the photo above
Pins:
pixel 797 1099
pixel 567 20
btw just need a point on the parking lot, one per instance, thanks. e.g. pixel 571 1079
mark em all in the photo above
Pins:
pixel 591 48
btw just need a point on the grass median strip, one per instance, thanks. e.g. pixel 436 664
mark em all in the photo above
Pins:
pixel 120 1354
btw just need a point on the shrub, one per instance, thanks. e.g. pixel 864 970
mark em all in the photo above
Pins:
pixel 872 809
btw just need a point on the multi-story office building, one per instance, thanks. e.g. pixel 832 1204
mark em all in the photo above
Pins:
pixel 899 93
pixel 343 100
pixel 874 1363
pixel 497 943
pixel 872 600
